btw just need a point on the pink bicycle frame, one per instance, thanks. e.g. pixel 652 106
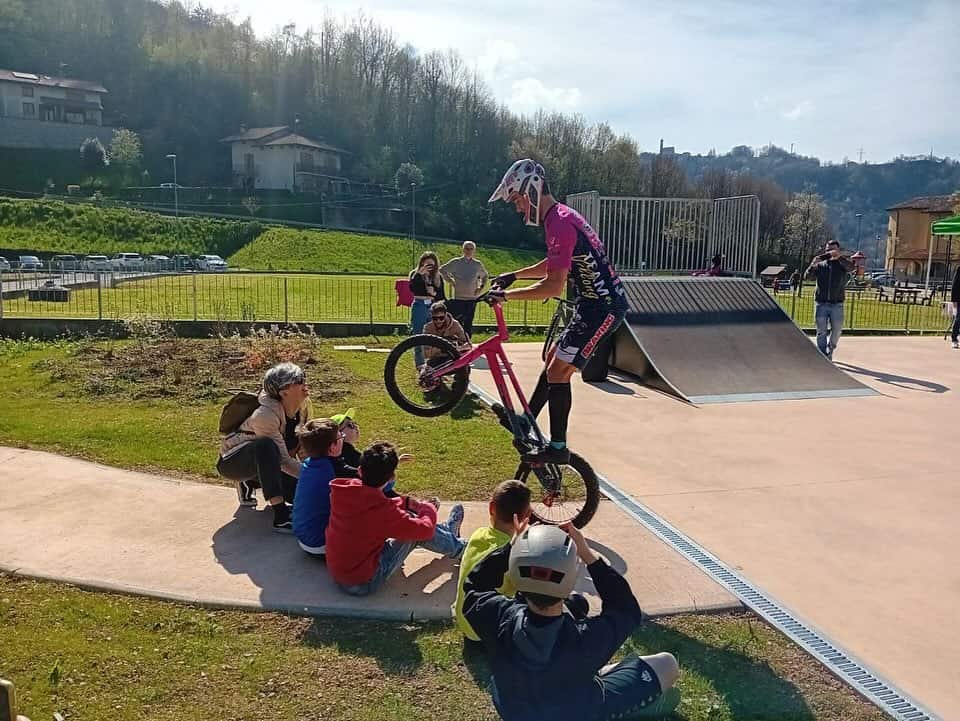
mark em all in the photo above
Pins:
pixel 492 350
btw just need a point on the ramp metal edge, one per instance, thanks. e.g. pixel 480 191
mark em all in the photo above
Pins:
pixel 840 662
pixel 783 395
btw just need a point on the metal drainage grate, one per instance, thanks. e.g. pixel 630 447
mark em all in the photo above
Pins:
pixel 838 661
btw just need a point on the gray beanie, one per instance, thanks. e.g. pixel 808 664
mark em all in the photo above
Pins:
pixel 281 376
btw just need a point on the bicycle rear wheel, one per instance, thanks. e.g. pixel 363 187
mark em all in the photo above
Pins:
pixel 562 493
pixel 416 380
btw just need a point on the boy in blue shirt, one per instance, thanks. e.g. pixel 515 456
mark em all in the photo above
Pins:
pixel 321 442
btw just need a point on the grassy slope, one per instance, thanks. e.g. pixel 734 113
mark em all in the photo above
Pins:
pixel 339 252
pixel 57 227
pixel 98 656
pixel 44 411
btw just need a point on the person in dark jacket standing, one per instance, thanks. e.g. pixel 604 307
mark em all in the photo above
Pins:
pixel 955 299
pixel 546 664
pixel 831 270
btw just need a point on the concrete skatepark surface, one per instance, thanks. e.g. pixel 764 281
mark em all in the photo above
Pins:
pixel 843 509
pixel 119 530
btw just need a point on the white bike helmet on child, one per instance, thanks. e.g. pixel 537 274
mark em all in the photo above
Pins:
pixel 544 560
pixel 524 177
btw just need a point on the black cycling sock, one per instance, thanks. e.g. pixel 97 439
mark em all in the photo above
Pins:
pixel 539 398
pixel 560 402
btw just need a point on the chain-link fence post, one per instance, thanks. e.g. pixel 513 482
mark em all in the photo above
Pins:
pixel 906 317
pixel 194 277
pixel 1 296
pixel 793 308
pixel 286 303
pixel 525 304
pixel 99 295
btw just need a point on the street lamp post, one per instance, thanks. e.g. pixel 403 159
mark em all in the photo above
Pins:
pixel 413 222
pixel 859 220
pixel 176 188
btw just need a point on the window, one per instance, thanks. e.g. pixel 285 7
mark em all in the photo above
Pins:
pixel 29 110
pixel 27 91
pixel 75 95
pixel 248 162
pixel 306 160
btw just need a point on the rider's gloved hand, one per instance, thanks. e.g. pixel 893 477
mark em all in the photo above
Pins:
pixel 496 295
pixel 504 281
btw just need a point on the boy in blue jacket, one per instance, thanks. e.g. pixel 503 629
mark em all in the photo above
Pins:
pixel 321 442
pixel 547 664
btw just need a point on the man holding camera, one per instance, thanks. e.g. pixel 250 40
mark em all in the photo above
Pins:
pixel 831 270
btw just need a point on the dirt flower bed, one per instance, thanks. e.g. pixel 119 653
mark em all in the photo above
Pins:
pixel 157 364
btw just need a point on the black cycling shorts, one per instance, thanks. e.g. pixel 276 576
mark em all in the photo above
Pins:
pixel 591 324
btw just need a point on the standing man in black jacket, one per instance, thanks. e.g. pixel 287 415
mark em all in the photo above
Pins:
pixel 547 664
pixel 955 299
pixel 831 271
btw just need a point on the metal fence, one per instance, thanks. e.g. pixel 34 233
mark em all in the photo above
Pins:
pixel 674 235
pixel 305 298
pixel 275 297
pixel 865 311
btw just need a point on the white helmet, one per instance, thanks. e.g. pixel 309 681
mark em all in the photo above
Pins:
pixel 544 560
pixel 525 176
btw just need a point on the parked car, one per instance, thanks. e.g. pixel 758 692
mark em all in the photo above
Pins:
pixel 127 261
pixel 64 262
pixel 96 263
pixel 4 264
pixel 183 262
pixel 883 279
pixel 158 262
pixel 211 263
pixel 29 262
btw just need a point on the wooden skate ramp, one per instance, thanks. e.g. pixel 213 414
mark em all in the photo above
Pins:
pixel 721 340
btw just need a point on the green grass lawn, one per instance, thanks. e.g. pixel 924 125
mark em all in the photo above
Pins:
pixel 91 655
pixel 153 405
pixel 250 296
pixel 331 251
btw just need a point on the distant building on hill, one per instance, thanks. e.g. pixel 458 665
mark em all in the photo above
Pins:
pixel 280 158
pixel 909 239
pixel 49 113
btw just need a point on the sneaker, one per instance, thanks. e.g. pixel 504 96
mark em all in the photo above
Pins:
pixel 282 518
pixel 956 344
pixel 548 454
pixel 501 413
pixel 666 703
pixel 246 494
pixel 455 519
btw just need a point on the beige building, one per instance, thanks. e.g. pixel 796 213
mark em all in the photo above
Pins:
pixel 909 239
pixel 278 158
pixel 51 113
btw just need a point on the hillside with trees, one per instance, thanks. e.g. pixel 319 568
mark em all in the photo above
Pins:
pixel 182 77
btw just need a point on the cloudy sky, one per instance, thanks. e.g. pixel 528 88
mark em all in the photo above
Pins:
pixel 830 76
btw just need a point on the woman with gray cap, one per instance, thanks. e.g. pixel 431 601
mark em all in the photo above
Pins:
pixel 263 449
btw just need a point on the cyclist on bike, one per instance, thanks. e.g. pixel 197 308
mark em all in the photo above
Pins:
pixel 574 251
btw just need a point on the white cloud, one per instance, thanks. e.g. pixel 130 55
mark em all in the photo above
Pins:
pixel 499 58
pixel 530 95
pixel 701 73
pixel 800 110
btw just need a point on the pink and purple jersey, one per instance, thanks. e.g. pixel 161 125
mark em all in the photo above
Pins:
pixel 574 246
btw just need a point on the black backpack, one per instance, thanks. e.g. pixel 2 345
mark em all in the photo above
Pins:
pixel 237 410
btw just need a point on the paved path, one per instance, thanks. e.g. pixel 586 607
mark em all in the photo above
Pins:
pixel 846 510
pixel 114 529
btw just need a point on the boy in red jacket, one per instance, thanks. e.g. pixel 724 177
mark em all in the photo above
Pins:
pixel 370 535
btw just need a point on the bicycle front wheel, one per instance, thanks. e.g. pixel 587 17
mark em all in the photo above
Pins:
pixel 562 493
pixel 416 379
